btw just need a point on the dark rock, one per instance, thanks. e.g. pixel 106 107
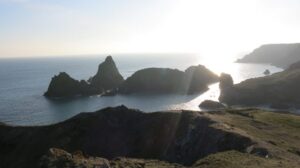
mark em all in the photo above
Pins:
pixel 63 85
pixel 209 104
pixel 267 72
pixel 108 76
pixel 154 80
pixel 281 55
pixel 59 158
pixel 260 151
pixel 280 90
pixel 226 81
pixel 164 80
pixel 180 137
pixel 108 81
pixel 198 76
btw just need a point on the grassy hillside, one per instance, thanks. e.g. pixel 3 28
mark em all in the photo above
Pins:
pixel 231 138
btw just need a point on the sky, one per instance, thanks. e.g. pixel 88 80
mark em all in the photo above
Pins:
pixel 212 28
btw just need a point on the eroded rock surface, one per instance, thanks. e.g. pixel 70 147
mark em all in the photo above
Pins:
pixel 121 138
pixel 180 137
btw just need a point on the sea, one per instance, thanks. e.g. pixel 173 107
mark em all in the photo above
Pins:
pixel 23 82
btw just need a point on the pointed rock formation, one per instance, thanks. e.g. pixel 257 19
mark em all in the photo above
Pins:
pixel 108 81
pixel 108 76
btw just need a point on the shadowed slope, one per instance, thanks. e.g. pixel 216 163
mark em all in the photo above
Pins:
pixel 181 137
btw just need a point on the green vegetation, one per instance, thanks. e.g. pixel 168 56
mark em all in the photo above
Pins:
pixel 229 138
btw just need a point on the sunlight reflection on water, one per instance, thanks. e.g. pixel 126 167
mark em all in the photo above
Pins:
pixel 239 73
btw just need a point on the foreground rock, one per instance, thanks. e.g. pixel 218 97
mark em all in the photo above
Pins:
pixel 107 78
pixel 195 79
pixel 278 90
pixel 210 104
pixel 281 55
pixel 59 158
pixel 232 138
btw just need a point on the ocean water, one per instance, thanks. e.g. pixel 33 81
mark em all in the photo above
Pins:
pixel 24 80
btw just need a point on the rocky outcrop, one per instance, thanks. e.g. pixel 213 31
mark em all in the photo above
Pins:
pixel 108 81
pixel 108 76
pixel 226 81
pixel 197 78
pixel 211 105
pixel 63 85
pixel 120 137
pixel 181 137
pixel 164 80
pixel 278 90
pixel 154 80
pixel 281 55
pixel 267 72
pixel 59 158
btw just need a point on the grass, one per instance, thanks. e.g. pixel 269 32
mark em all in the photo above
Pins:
pixel 277 132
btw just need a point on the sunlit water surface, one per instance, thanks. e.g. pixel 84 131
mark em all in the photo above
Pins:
pixel 23 82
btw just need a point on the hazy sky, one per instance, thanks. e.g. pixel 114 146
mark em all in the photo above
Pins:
pixel 214 28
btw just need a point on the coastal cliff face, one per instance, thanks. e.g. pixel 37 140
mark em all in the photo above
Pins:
pixel 228 138
pixel 280 55
pixel 280 90
pixel 164 80
pixel 181 137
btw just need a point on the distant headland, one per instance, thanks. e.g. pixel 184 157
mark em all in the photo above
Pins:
pixel 280 55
